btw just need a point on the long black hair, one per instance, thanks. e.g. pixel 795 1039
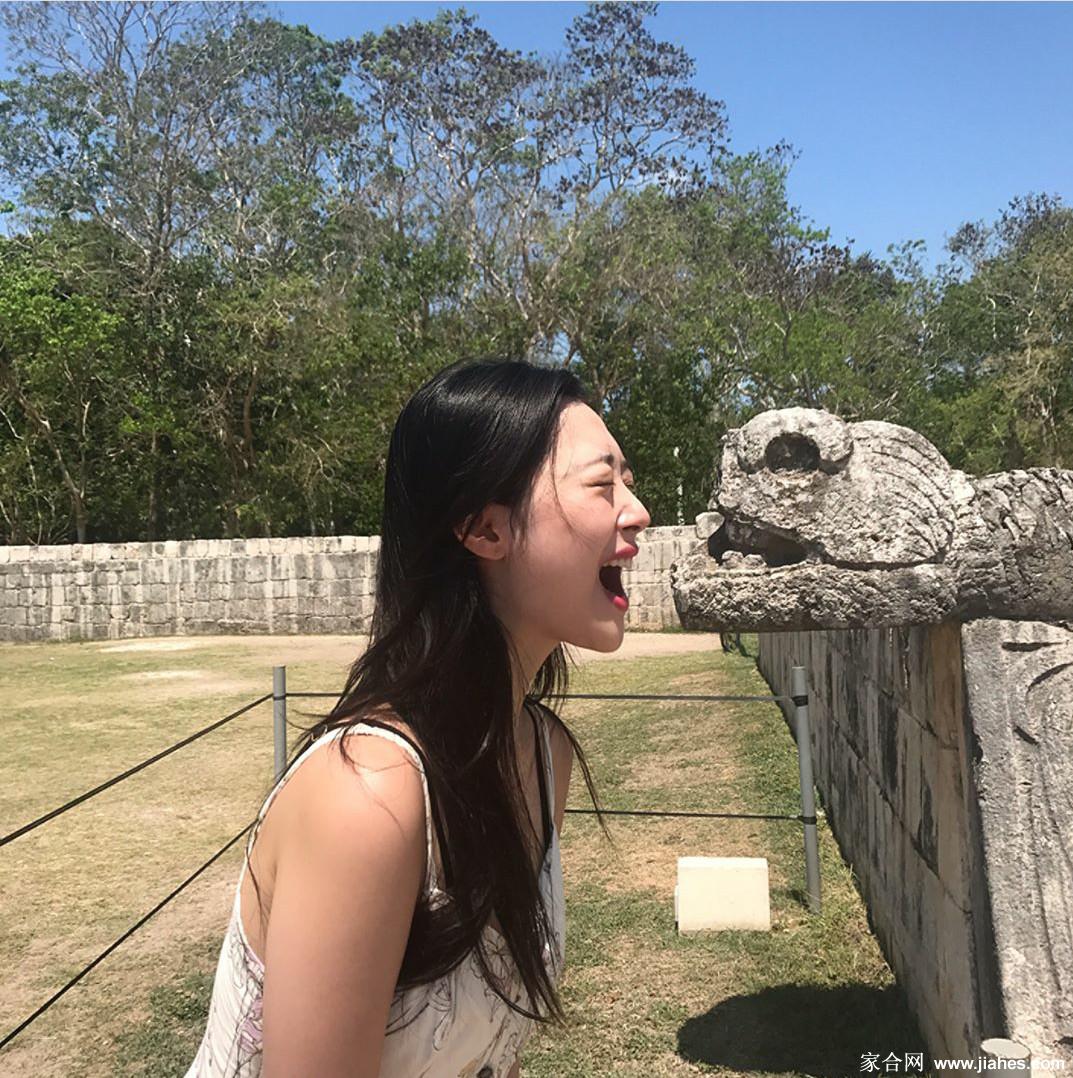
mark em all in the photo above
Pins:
pixel 439 658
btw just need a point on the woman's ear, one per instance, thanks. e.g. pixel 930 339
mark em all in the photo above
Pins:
pixel 490 535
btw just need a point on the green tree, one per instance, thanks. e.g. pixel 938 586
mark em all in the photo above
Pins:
pixel 57 367
pixel 1004 339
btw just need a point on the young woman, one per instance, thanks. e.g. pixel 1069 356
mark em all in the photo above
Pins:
pixel 402 915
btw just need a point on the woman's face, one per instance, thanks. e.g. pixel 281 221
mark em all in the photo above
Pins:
pixel 545 584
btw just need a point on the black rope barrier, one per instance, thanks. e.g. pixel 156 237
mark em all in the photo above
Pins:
pixel 126 774
pixel 697 815
pixel 219 853
pixel 8 1037
pixel 656 812
pixel 660 696
pixel 612 696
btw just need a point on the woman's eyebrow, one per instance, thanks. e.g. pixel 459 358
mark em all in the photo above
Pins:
pixel 608 458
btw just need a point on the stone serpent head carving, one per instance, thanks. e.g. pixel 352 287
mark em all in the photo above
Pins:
pixel 819 523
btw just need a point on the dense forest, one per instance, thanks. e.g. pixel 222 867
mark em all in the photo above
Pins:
pixel 234 249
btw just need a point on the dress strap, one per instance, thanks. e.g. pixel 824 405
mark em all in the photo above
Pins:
pixel 384 730
pixel 546 775
pixel 381 730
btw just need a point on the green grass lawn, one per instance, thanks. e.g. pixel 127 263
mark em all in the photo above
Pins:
pixel 807 998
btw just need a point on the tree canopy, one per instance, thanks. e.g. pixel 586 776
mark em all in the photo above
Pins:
pixel 236 248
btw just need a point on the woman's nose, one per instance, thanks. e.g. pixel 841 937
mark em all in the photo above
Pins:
pixel 638 513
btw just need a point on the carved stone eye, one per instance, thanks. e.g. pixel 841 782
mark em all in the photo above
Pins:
pixel 791 452
pixel 802 440
pixel 486 1072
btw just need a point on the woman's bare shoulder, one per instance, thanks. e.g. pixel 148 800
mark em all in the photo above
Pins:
pixel 374 769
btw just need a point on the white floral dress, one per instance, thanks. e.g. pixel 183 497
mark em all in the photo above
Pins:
pixel 454 1027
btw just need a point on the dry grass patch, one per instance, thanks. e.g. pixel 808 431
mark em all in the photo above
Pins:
pixel 644 856
pixel 77 714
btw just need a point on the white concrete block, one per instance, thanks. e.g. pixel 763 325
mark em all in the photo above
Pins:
pixel 721 893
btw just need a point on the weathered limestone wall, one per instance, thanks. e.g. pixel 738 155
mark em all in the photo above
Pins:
pixel 944 751
pixel 100 591
pixel 1019 687
pixel 202 586
pixel 887 719
pixel 944 828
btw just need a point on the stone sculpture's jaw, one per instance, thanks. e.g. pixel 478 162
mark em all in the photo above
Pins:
pixel 736 546
pixel 811 595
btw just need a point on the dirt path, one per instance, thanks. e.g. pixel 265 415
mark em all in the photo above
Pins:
pixel 286 650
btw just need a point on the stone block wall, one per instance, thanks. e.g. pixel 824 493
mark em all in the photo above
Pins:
pixel 111 591
pixel 892 758
pixel 943 759
pixel 1019 687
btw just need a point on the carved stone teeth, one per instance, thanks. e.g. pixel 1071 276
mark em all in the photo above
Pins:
pixel 737 559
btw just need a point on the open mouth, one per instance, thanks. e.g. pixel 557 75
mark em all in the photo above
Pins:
pixel 744 546
pixel 611 581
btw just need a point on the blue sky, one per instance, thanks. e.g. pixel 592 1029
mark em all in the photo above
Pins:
pixel 909 118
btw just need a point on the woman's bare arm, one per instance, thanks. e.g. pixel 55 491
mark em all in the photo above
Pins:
pixel 348 874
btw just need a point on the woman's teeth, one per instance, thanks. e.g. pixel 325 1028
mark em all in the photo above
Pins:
pixel 622 563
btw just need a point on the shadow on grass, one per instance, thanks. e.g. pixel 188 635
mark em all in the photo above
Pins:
pixel 803 1029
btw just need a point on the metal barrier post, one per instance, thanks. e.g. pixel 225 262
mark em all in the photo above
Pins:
pixel 279 718
pixel 799 695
